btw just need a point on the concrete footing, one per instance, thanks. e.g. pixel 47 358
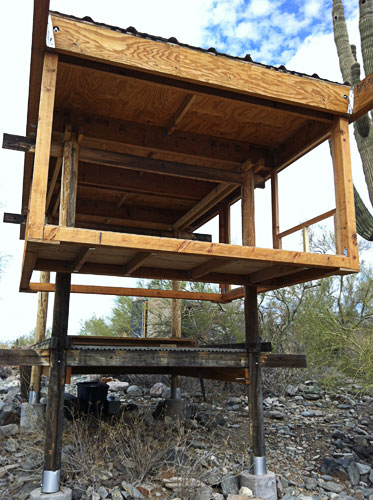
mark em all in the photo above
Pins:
pixel 261 486
pixel 174 408
pixel 32 416
pixel 63 494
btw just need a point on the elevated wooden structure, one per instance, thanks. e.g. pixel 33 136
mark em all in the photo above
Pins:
pixel 142 140
pixel 133 142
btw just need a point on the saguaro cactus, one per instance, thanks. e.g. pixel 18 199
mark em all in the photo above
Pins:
pixel 350 69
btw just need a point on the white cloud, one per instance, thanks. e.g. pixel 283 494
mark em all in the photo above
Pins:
pixel 312 8
pixel 258 8
pixel 248 31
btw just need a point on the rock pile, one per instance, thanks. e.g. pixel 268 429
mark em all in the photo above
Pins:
pixel 320 446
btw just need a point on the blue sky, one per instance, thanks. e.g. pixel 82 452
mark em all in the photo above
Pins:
pixel 271 31
pixel 297 34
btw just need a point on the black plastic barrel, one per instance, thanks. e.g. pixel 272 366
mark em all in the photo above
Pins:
pixel 92 396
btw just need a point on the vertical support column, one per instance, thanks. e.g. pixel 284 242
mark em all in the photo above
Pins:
pixel 41 324
pixel 69 182
pixel 275 212
pixel 175 332
pixel 256 424
pixel 224 234
pixel 346 239
pixel 54 416
pixel 248 209
pixel 38 195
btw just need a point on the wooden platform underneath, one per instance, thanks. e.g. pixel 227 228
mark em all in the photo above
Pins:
pixel 94 252
pixel 164 356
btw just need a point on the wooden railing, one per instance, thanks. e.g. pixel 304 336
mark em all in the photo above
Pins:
pixel 304 226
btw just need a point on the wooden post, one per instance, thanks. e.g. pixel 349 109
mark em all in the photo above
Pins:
pixel 248 209
pixel 346 239
pixel 175 332
pixel 69 182
pixel 54 416
pixel 224 233
pixel 38 195
pixel 306 239
pixel 275 211
pixel 41 324
pixel 256 424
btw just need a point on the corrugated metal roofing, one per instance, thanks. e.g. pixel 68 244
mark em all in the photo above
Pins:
pixel 172 40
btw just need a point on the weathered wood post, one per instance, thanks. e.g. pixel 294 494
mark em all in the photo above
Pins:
pixel 41 324
pixel 57 374
pixel 256 424
pixel 175 332
pixel 54 415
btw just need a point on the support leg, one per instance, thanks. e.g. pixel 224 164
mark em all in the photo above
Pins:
pixel 41 323
pixel 256 429
pixel 54 421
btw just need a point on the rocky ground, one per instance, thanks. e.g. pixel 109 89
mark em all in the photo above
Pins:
pixel 320 445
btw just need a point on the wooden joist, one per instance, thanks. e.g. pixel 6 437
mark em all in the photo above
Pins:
pixel 131 162
pixel 215 196
pixel 137 261
pixel 82 258
pixel 130 292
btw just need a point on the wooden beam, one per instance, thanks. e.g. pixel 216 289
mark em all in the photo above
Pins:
pixel 22 357
pixel 176 312
pixel 304 140
pixel 137 138
pixel 209 201
pixel 55 402
pixel 307 223
pixel 131 162
pixel 188 247
pixel 235 293
pixel 28 265
pixel 180 113
pixel 275 211
pixel 256 427
pixel 272 272
pixel 248 209
pixel 208 266
pixel 224 232
pixel 69 182
pixel 9 218
pixel 183 64
pixel 346 238
pixel 136 262
pixel 39 36
pixel 130 292
pixel 363 98
pixel 52 184
pixel 40 331
pixel 142 272
pixel 38 195
pixel 82 258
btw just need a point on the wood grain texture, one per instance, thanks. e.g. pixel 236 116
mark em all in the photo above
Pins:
pixel 22 357
pixel 188 247
pixel 39 31
pixel 248 209
pixel 55 402
pixel 40 329
pixel 69 182
pixel 275 211
pixel 363 98
pixel 37 207
pixel 88 40
pixel 346 237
